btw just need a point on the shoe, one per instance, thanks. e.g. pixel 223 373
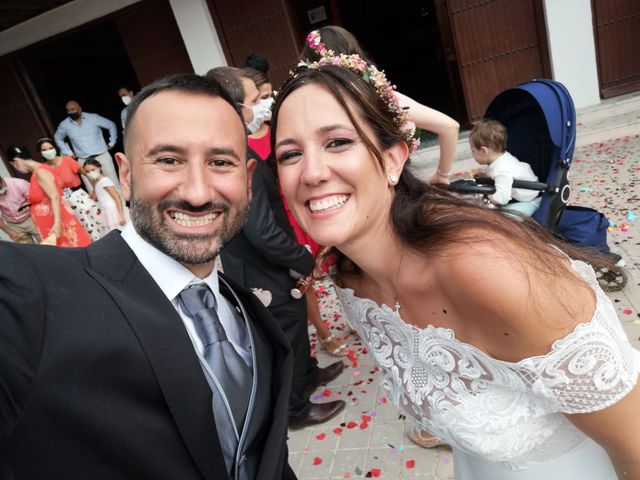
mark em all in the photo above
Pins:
pixel 333 346
pixel 318 413
pixel 325 375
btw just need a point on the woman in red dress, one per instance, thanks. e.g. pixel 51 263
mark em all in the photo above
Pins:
pixel 50 214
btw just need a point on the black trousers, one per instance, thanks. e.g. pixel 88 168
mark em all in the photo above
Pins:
pixel 292 318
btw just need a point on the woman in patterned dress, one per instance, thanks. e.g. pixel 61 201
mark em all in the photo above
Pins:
pixel 67 171
pixel 52 216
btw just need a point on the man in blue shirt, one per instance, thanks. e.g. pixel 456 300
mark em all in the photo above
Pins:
pixel 84 132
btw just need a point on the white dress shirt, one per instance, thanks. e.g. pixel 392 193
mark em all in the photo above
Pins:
pixel 172 277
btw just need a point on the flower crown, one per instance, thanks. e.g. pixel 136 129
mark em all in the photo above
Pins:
pixel 371 75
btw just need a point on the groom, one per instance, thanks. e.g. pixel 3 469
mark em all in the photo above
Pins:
pixel 106 353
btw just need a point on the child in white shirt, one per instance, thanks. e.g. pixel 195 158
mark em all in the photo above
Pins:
pixel 114 214
pixel 488 141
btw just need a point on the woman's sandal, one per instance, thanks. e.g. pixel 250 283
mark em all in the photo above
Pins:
pixel 333 347
pixel 423 438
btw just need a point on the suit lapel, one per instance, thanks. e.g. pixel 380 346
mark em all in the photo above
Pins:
pixel 166 344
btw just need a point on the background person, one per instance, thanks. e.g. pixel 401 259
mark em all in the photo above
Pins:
pixel 67 172
pixel 486 333
pixel 84 132
pixel 341 41
pixel 115 214
pixel 126 95
pixel 488 140
pixel 262 256
pixel 15 211
pixel 52 217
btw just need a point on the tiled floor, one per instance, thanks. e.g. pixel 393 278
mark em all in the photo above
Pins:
pixel 368 440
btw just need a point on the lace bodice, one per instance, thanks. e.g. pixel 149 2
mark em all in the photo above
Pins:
pixel 502 411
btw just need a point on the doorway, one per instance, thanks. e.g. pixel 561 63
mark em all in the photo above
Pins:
pixel 87 66
pixel 406 41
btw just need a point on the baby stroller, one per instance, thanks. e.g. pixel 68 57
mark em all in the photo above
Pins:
pixel 541 130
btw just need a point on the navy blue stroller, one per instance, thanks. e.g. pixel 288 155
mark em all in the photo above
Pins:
pixel 541 130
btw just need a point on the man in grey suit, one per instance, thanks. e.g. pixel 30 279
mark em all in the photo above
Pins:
pixel 105 352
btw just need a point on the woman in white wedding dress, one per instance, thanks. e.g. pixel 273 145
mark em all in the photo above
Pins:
pixel 486 333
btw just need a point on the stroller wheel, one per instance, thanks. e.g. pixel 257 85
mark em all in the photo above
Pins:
pixel 611 279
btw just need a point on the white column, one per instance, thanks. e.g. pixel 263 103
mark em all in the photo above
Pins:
pixel 199 34
pixel 572 49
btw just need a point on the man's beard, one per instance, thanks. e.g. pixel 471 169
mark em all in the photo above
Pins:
pixel 188 249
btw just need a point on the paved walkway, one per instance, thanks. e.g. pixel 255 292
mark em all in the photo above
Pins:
pixel 367 440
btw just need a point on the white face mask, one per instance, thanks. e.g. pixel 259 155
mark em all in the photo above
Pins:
pixel 49 154
pixel 126 99
pixel 93 174
pixel 261 113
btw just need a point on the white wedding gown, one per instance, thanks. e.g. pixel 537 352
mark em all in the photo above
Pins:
pixel 504 420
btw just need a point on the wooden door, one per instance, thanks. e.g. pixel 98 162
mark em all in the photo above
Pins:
pixel 153 41
pixel 258 26
pixel 617 31
pixel 22 120
pixel 498 44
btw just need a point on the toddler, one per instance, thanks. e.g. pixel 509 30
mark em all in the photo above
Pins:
pixel 488 141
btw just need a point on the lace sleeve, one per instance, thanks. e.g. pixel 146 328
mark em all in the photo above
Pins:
pixel 594 366
pixel 345 295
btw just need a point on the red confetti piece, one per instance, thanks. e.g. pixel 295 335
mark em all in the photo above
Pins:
pixel 317 461
pixel 376 472
pixel 366 418
pixel 326 392
pixel 347 474
pixel 363 425
pixel 352 425
pixel 627 312
pixel 337 431
pixel 321 437
pixel 410 463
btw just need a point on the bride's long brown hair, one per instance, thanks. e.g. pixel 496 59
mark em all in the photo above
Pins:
pixel 427 218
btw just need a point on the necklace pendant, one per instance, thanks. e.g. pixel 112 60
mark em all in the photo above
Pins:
pixel 397 306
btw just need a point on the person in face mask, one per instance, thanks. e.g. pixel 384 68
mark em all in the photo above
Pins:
pixel 15 212
pixel 83 130
pixel 52 217
pixel 67 172
pixel 126 95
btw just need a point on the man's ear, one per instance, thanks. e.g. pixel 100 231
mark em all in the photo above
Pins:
pixel 124 169
pixel 395 158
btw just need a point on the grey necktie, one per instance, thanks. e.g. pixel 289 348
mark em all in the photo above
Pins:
pixel 230 369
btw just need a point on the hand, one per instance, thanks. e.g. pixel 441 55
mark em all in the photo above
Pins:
pixel 14 236
pixel 93 196
pixel 56 230
pixel 478 173
pixel 438 178
pixel 122 222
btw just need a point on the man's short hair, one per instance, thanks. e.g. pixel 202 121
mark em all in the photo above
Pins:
pixel 490 134
pixel 181 82
pixel 230 79
pixel 257 62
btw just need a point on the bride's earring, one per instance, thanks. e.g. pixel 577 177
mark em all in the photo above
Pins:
pixel 393 179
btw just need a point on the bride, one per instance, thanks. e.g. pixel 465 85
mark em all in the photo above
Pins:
pixel 489 333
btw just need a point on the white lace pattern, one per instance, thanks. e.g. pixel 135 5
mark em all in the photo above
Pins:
pixel 502 411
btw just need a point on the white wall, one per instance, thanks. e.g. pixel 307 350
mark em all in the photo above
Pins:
pixel 199 34
pixel 572 49
pixel 56 21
